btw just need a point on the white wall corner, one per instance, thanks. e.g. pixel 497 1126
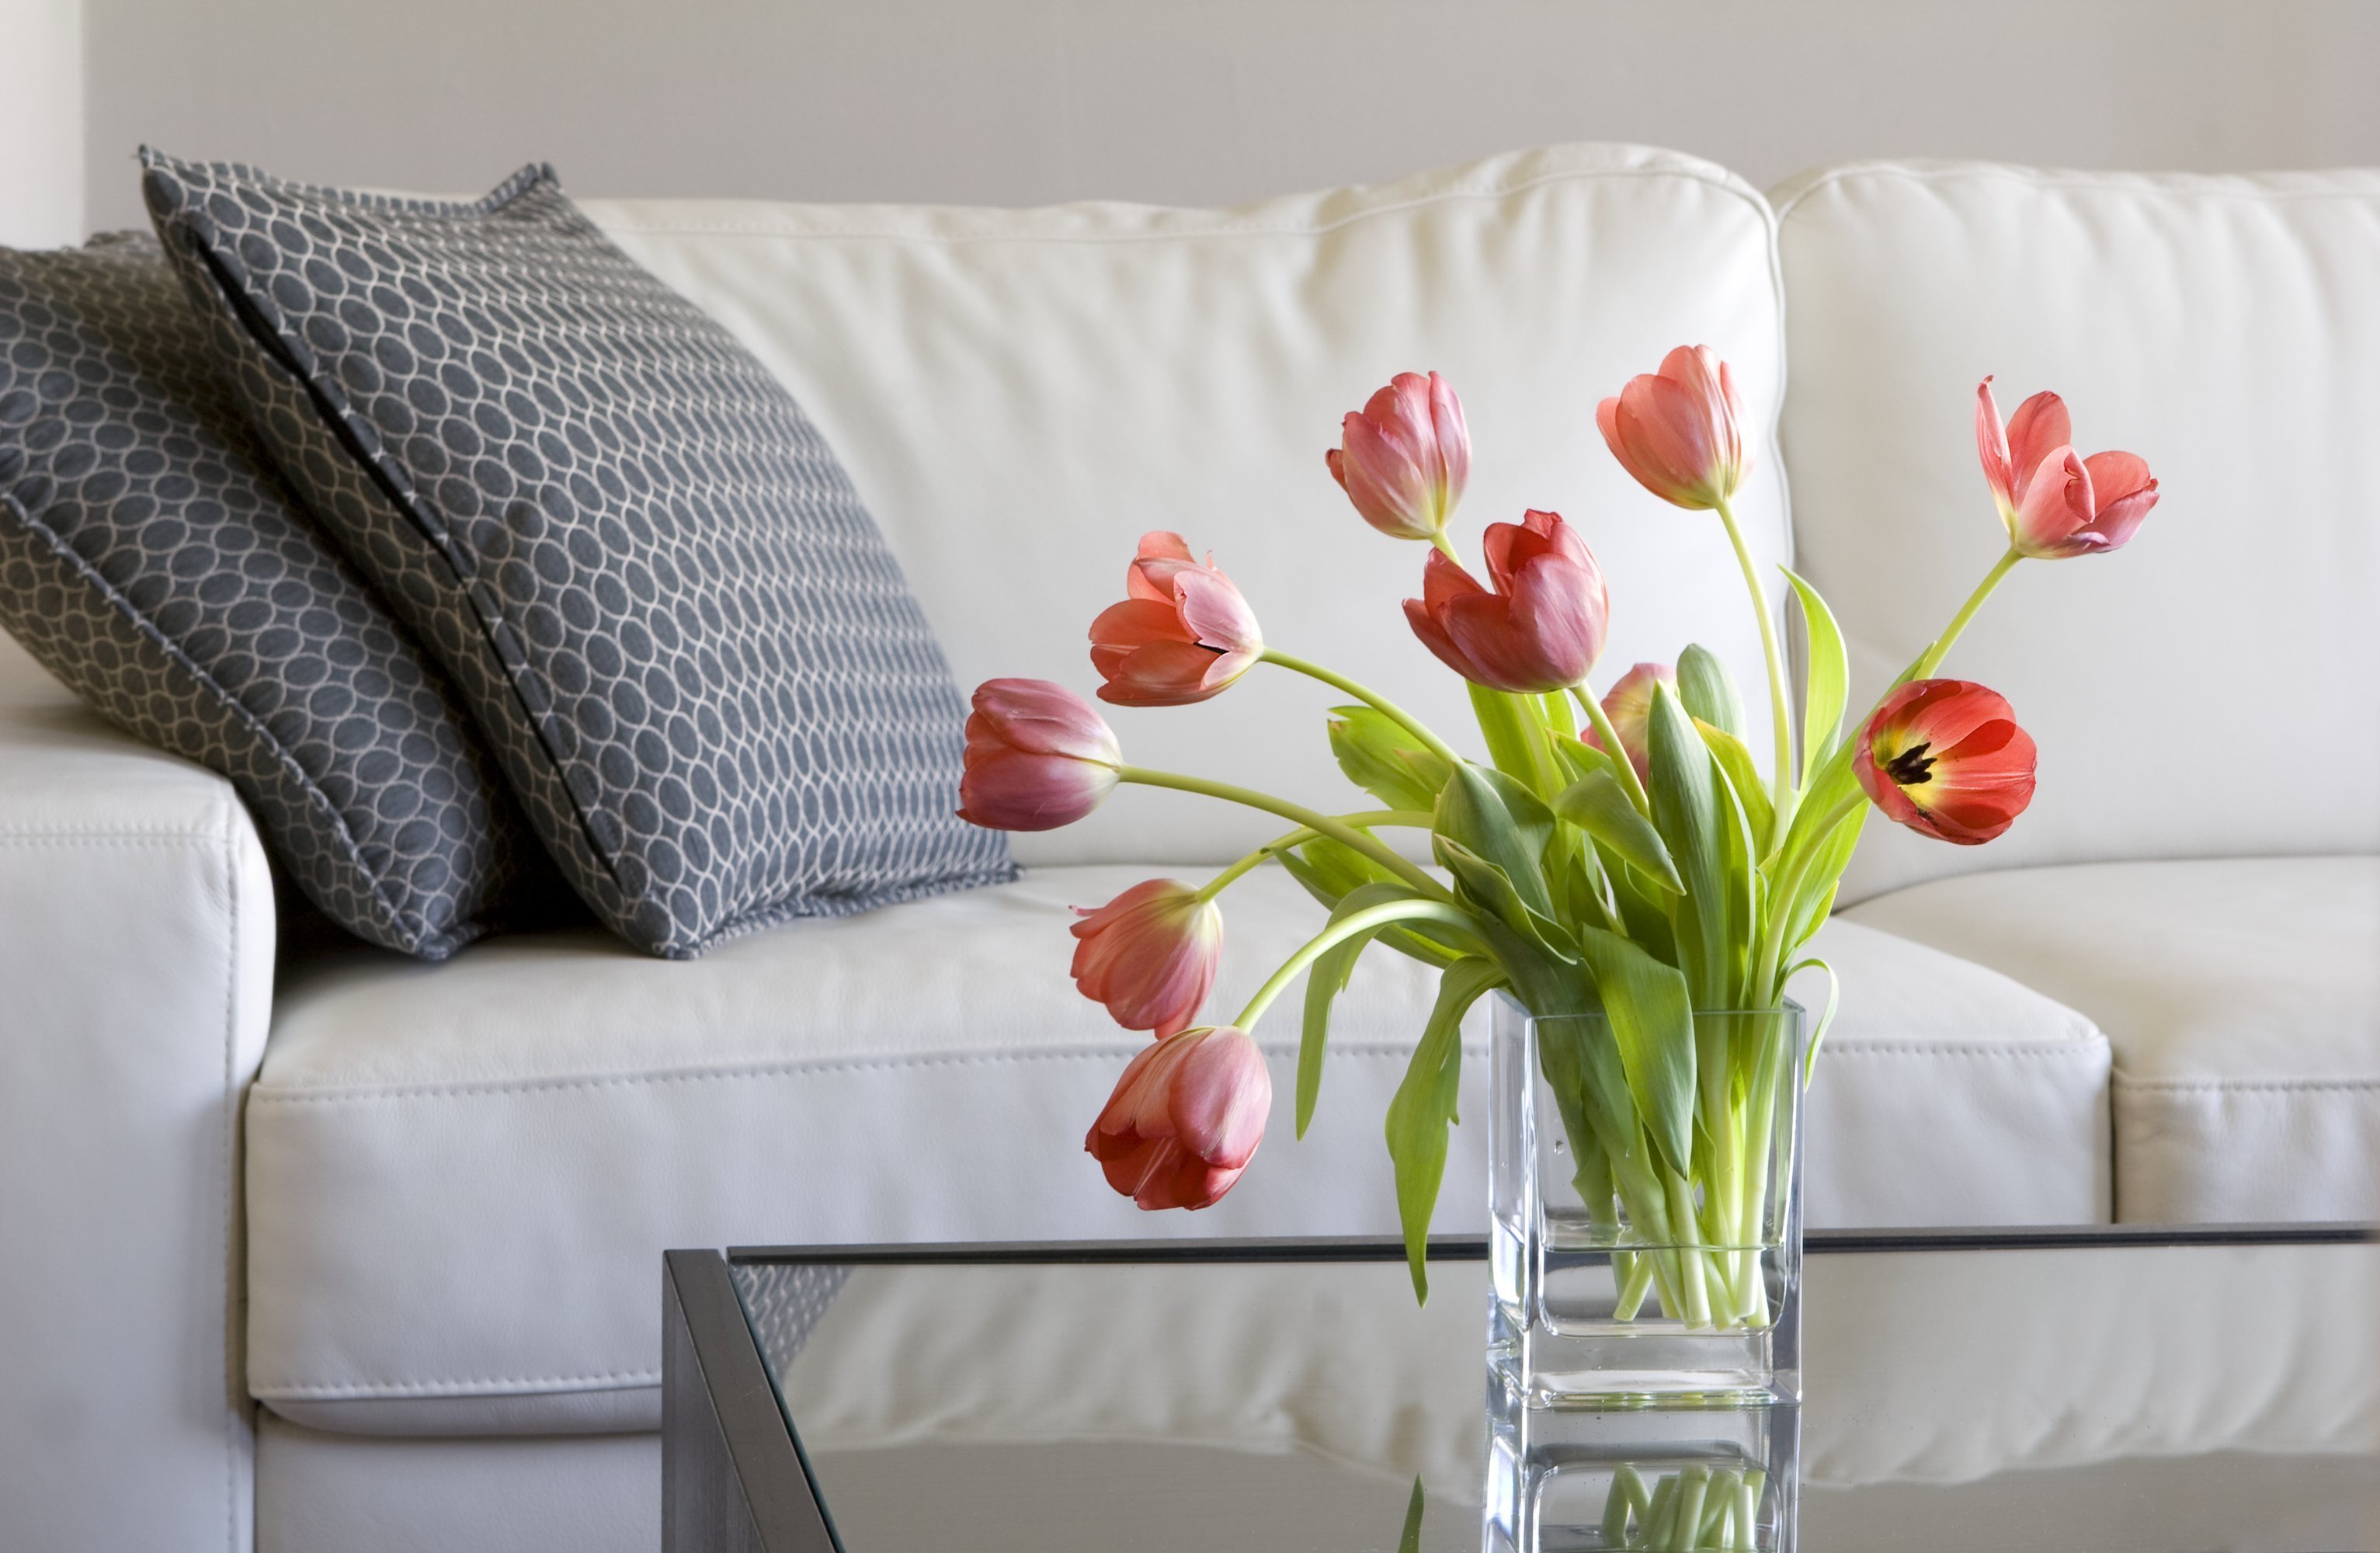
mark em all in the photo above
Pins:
pixel 41 123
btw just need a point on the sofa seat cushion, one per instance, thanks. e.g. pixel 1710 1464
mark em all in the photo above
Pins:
pixel 460 1183
pixel 2241 998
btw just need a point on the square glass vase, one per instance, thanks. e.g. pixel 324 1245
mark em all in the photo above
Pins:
pixel 1624 1276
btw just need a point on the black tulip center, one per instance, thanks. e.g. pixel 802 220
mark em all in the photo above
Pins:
pixel 1912 767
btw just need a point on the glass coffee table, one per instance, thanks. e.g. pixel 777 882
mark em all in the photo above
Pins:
pixel 2152 1390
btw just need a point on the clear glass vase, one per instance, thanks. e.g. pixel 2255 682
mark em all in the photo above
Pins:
pixel 1622 1279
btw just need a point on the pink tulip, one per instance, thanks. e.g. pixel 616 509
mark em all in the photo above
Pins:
pixel 1541 628
pixel 2054 503
pixel 1149 955
pixel 1185 1119
pixel 1679 430
pixel 1037 757
pixel 1183 634
pixel 1629 705
pixel 1945 757
pixel 1403 458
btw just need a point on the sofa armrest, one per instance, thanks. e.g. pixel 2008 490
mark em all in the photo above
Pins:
pixel 135 971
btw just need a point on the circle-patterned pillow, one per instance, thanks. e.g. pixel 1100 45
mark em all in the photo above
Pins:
pixel 152 560
pixel 689 647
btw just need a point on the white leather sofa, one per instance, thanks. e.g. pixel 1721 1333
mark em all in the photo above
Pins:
pixel 344 1251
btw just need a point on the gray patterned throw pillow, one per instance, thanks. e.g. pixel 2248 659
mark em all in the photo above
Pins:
pixel 152 560
pixel 696 658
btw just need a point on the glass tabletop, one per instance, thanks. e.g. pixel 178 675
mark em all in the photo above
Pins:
pixel 2050 1391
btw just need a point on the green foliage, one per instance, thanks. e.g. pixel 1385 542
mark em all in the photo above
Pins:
pixel 1734 758
pixel 1504 723
pixel 1424 1107
pixel 1600 806
pixel 1827 681
pixel 1688 813
pixel 1329 871
pixel 1708 690
pixel 1652 1024
pixel 1381 758
pixel 1326 979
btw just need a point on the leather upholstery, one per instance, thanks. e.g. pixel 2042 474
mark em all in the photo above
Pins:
pixel 463 1179
pixel 1018 394
pixel 2241 998
pixel 136 975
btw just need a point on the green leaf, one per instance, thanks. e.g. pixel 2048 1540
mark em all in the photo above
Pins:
pixel 1560 716
pixel 1489 889
pixel 1805 915
pixel 1578 761
pixel 1477 812
pixel 1510 743
pixel 1708 690
pixel 1382 758
pixel 1686 810
pixel 1827 1017
pixel 1827 681
pixel 1601 807
pixel 1423 1107
pixel 1652 1021
pixel 1329 870
pixel 1410 1542
pixel 1324 979
pixel 1734 758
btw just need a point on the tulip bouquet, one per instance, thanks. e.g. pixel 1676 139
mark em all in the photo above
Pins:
pixel 1636 866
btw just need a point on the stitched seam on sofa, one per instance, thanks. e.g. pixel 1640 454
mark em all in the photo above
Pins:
pixel 63 837
pixel 233 1271
pixel 2220 1086
pixel 2071 179
pixel 2079 1047
pixel 1744 192
pixel 407 924
pixel 491 1385
pixel 788 1068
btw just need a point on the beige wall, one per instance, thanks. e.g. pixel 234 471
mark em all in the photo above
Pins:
pixel 41 122
pixel 1198 100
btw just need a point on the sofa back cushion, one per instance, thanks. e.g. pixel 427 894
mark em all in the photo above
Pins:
pixel 1019 394
pixel 2207 689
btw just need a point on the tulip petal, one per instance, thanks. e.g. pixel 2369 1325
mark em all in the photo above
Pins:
pixel 2040 427
pixel 1149 576
pixel 1213 612
pixel 2054 507
pixel 1991 448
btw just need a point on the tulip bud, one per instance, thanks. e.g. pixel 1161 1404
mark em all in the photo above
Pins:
pixel 1185 1119
pixel 1150 955
pixel 2054 502
pixel 1404 458
pixel 1543 626
pixel 1184 632
pixel 1037 757
pixel 1945 757
pixel 1629 706
pixel 1679 430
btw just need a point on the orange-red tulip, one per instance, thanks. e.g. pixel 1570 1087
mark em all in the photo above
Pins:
pixel 1403 458
pixel 1945 757
pixel 1185 1119
pixel 1629 705
pixel 1037 757
pixel 1540 628
pixel 1679 430
pixel 2054 502
pixel 1149 955
pixel 1183 634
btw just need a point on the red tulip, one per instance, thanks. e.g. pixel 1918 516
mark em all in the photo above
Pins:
pixel 1037 757
pixel 2054 503
pixel 1629 705
pixel 1679 430
pixel 1182 635
pixel 1149 955
pixel 1542 628
pixel 1944 757
pixel 1185 1119
pixel 1403 458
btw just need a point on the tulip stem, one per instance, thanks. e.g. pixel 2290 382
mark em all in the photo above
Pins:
pixel 1932 658
pixel 1296 814
pixel 1413 819
pixel 1624 767
pixel 1370 919
pixel 1370 698
pixel 1780 701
